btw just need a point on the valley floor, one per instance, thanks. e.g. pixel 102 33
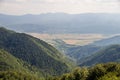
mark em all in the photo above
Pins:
pixel 72 39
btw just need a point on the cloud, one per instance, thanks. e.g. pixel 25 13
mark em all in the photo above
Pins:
pixel 67 6
pixel 58 1
pixel 103 1
pixel 1 1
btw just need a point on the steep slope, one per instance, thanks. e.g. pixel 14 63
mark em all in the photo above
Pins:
pixel 7 62
pixel 9 65
pixel 34 51
pixel 80 52
pixel 61 45
pixel 108 54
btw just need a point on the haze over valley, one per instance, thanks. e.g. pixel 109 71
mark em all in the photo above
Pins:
pixel 59 39
pixel 75 29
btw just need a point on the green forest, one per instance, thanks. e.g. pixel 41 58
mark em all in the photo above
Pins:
pixel 108 71
pixel 23 57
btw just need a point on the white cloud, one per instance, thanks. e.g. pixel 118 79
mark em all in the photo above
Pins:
pixel 68 6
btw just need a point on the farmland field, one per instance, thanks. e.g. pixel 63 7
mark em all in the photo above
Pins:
pixel 73 39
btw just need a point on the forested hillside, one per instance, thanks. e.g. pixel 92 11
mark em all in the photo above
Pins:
pixel 34 51
pixel 23 57
pixel 12 68
pixel 81 52
pixel 108 71
pixel 107 54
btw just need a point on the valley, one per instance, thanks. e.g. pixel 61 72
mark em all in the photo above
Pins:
pixel 72 39
pixel 59 46
pixel 35 55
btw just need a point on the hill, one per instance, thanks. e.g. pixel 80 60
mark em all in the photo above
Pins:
pixel 75 52
pixel 34 51
pixel 61 45
pixel 107 54
pixel 80 52
pixel 14 75
pixel 108 71
pixel 107 41
pixel 10 65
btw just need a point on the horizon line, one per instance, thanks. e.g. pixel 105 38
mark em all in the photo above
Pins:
pixel 57 13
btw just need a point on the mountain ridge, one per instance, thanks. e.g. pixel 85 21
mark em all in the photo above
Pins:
pixel 110 53
pixel 34 51
pixel 63 23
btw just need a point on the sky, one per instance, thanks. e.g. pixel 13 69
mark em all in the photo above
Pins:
pixel 19 7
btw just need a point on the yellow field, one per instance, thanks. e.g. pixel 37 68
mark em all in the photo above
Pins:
pixel 74 39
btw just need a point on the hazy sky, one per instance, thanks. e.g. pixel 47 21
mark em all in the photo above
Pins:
pixel 51 6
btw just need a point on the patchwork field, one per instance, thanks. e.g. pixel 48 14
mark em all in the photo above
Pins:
pixel 73 39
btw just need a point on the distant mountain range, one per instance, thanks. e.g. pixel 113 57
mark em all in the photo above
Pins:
pixel 107 41
pixel 102 23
